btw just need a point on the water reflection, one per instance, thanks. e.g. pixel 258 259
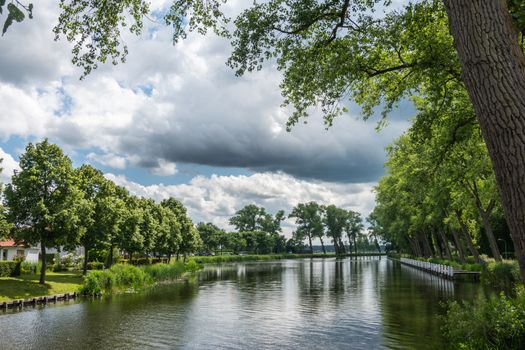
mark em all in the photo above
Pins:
pixel 299 304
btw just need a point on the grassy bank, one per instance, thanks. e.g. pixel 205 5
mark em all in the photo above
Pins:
pixel 267 257
pixel 27 286
pixel 129 278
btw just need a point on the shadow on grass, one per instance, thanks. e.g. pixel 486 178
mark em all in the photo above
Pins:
pixel 27 286
pixel 20 289
pixel 60 277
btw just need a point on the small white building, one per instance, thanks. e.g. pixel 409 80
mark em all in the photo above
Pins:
pixel 9 250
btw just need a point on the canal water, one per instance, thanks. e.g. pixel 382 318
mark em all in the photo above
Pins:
pixel 366 303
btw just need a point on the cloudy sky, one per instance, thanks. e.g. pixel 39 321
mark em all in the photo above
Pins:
pixel 175 121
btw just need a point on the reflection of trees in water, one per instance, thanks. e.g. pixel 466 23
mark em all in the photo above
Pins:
pixel 242 273
pixel 407 297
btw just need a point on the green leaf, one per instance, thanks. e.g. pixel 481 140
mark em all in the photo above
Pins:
pixel 2 3
pixel 7 24
pixel 15 13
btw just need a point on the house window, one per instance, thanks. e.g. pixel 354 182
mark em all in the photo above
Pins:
pixel 20 253
pixel 4 254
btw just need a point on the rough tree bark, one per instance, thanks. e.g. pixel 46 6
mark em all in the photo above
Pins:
pixel 446 247
pixel 468 238
pixel 493 67
pixel 459 246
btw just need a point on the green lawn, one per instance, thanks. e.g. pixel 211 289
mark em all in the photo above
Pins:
pixel 26 286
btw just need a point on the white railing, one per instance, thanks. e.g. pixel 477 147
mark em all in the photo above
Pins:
pixel 424 265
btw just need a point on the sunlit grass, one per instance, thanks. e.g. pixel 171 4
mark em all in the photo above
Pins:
pixel 27 286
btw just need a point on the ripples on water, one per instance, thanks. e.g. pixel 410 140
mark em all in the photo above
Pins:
pixel 293 304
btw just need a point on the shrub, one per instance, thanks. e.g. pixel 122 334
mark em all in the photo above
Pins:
pixel 71 260
pixel 193 266
pixel 95 265
pixel 129 276
pixel 30 268
pixel 98 282
pixel 165 272
pixel 494 323
pixel 502 276
pixel 9 268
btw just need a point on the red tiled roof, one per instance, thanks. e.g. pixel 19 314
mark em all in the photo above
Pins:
pixel 9 243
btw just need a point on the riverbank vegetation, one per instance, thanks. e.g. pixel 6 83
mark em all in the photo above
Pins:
pixel 130 278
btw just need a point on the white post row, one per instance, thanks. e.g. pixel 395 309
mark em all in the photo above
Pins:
pixel 438 268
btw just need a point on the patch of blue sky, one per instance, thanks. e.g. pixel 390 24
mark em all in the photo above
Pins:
pixel 15 145
pixel 65 102
pixel 147 89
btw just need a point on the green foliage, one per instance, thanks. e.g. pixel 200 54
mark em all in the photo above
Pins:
pixel 30 268
pixel 309 219
pixel 9 268
pixel 57 263
pixel 502 276
pixel 494 323
pixel 15 14
pixel 96 29
pixel 193 266
pixel 252 257
pixel 98 282
pixel 95 265
pixel 129 276
pixel 190 240
pixel 43 200
pixel 145 261
pixel 254 218
pixel 123 277
pixel 167 272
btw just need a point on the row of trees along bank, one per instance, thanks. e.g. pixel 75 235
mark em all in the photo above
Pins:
pixel 440 192
pixel 50 203
pixel 259 232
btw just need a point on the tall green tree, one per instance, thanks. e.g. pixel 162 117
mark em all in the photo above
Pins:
pixel 353 227
pixel 335 220
pixel 130 238
pixel 111 212
pixel 210 235
pixel 95 188
pixel 169 235
pixel 254 218
pixel 308 217
pixel 150 227
pixel 247 218
pixel 190 239
pixel 43 200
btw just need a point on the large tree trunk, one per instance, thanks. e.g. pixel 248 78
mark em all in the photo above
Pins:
pixel 459 246
pixel 490 236
pixel 468 238
pixel 493 68
pixel 310 243
pixel 44 262
pixel 426 246
pixel 435 243
pixel 444 239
